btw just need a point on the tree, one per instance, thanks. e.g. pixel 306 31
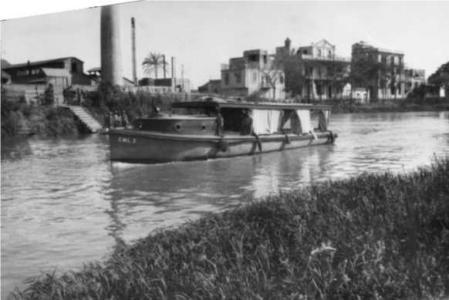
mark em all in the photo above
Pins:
pixel 152 63
pixel 272 74
pixel 441 78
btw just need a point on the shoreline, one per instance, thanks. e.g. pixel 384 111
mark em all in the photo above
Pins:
pixel 378 235
pixel 22 120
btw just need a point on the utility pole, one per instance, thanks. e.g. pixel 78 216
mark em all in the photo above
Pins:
pixel 173 74
pixel 182 77
pixel 164 65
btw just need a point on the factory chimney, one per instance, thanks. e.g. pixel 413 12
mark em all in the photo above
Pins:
pixel 111 69
pixel 133 49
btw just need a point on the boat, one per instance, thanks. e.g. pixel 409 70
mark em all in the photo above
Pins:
pixel 216 128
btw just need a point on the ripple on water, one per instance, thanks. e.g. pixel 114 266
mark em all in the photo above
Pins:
pixel 64 203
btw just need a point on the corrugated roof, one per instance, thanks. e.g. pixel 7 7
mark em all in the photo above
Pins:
pixel 55 72
pixel 35 63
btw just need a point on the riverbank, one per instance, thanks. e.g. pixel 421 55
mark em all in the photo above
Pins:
pixel 403 105
pixel 21 119
pixel 383 236
pixel 49 121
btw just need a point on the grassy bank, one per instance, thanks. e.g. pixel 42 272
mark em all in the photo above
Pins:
pixel 370 237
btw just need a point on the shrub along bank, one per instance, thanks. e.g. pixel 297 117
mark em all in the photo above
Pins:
pixel 370 237
pixel 19 118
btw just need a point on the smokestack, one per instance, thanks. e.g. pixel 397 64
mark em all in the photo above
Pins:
pixel 133 49
pixel 173 74
pixel 111 69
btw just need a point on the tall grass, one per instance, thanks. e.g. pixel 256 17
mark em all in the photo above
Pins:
pixel 370 237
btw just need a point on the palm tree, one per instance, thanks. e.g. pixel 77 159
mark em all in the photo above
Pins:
pixel 152 62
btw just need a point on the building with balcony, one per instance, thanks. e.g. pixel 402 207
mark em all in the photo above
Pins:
pixel 379 71
pixel 255 73
pixel 325 74
pixel 314 72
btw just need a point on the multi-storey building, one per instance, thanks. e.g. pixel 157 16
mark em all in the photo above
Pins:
pixel 324 72
pixel 379 71
pixel 314 72
pixel 256 73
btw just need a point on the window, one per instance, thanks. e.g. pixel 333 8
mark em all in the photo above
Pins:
pixel 319 89
pixel 238 77
pixel 254 76
pixel 226 78
pixel 253 57
pixel 74 67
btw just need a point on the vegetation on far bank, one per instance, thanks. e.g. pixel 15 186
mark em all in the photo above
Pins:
pixel 20 118
pixel 371 237
pixel 399 105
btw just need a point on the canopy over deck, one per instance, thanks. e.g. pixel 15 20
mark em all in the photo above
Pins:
pixel 249 105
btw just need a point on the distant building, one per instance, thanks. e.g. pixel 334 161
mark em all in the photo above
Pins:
pixel 29 80
pixel 314 72
pixel 256 73
pixel 380 71
pixel 6 78
pixel 413 79
pixel 211 87
pixel 61 72
pixel 324 72
pixel 95 75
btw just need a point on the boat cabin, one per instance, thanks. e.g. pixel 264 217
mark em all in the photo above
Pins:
pixel 259 118
pixel 238 118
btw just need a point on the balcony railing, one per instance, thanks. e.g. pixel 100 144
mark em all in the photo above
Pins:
pixel 324 58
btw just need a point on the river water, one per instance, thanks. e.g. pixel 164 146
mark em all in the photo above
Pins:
pixel 64 203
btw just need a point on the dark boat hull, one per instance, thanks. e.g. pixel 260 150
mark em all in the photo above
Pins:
pixel 153 147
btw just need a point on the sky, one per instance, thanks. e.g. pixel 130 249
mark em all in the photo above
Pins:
pixel 203 35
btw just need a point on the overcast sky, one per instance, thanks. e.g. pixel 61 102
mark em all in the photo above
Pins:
pixel 202 35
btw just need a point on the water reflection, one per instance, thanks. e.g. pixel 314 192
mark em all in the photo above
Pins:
pixel 64 203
